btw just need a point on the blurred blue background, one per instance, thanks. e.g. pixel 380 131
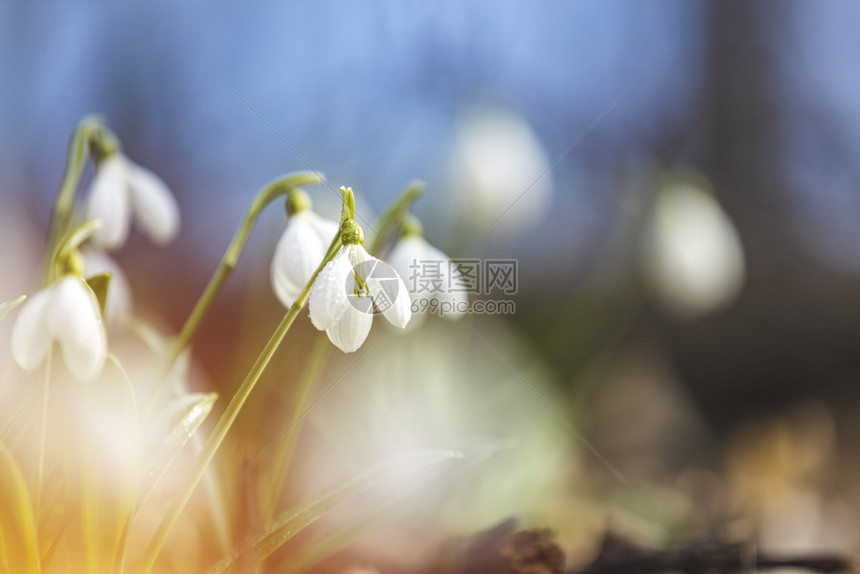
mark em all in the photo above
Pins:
pixel 763 99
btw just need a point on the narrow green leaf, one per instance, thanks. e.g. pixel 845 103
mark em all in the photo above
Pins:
pixel 294 521
pixel 101 467
pixel 7 306
pixel 18 547
pixel 187 414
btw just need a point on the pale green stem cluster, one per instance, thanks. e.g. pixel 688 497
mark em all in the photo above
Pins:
pixel 90 133
pixel 63 241
pixel 228 262
pixel 233 408
pixel 91 136
pixel 283 454
pixel 389 218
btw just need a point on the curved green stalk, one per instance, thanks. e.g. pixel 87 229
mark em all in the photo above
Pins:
pixel 268 194
pixel 85 133
pixel 393 213
pixel 284 452
pixel 226 421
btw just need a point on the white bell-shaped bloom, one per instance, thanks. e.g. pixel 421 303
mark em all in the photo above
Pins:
pixel 66 312
pixel 300 250
pixel 499 170
pixel 119 300
pixel 121 188
pixel 434 283
pixel 694 262
pixel 347 292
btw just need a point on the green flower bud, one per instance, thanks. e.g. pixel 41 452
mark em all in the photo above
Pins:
pixel 351 233
pixel 297 201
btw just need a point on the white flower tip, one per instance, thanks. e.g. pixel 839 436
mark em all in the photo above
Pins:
pixel 155 208
pixel 299 252
pixel 66 312
pixel 107 201
pixel 328 301
pixel 30 339
pixel 350 332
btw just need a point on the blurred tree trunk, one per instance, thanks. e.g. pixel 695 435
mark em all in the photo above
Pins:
pixel 794 331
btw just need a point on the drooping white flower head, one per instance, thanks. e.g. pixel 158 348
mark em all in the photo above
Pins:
pixel 347 292
pixel 121 188
pixel 693 260
pixel 118 305
pixel 300 249
pixel 66 312
pixel 498 169
pixel 434 283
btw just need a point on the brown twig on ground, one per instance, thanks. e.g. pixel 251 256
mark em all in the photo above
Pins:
pixel 619 556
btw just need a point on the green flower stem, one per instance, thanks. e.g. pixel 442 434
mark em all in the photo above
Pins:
pixel 393 213
pixel 284 452
pixel 43 433
pixel 76 162
pixel 268 194
pixel 226 421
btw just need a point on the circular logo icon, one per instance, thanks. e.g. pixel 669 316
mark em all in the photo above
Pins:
pixel 372 287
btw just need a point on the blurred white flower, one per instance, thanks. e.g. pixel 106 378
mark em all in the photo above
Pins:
pixel 342 304
pixel 66 312
pixel 694 262
pixel 119 301
pixel 121 187
pixel 434 284
pixel 299 252
pixel 499 170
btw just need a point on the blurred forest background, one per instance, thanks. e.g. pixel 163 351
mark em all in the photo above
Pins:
pixel 759 399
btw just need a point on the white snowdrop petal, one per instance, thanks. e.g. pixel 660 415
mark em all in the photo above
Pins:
pixel 351 330
pixel 326 229
pixel 406 258
pixel 400 310
pixel 107 200
pixel 297 255
pixel 119 300
pixel 328 300
pixel 452 298
pixel 695 261
pixel 30 337
pixel 155 209
pixel 74 321
pixel 286 291
pixel 86 362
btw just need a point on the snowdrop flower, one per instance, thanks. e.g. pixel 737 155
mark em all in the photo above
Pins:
pixel 497 163
pixel 121 187
pixel 694 262
pixel 350 287
pixel 300 249
pixel 66 312
pixel 434 284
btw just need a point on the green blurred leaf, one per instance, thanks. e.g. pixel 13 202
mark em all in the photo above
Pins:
pixel 294 521
pixel 18 546
pixel 188 413
pixel 7 306
pixel 99 285
pixel 101 467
